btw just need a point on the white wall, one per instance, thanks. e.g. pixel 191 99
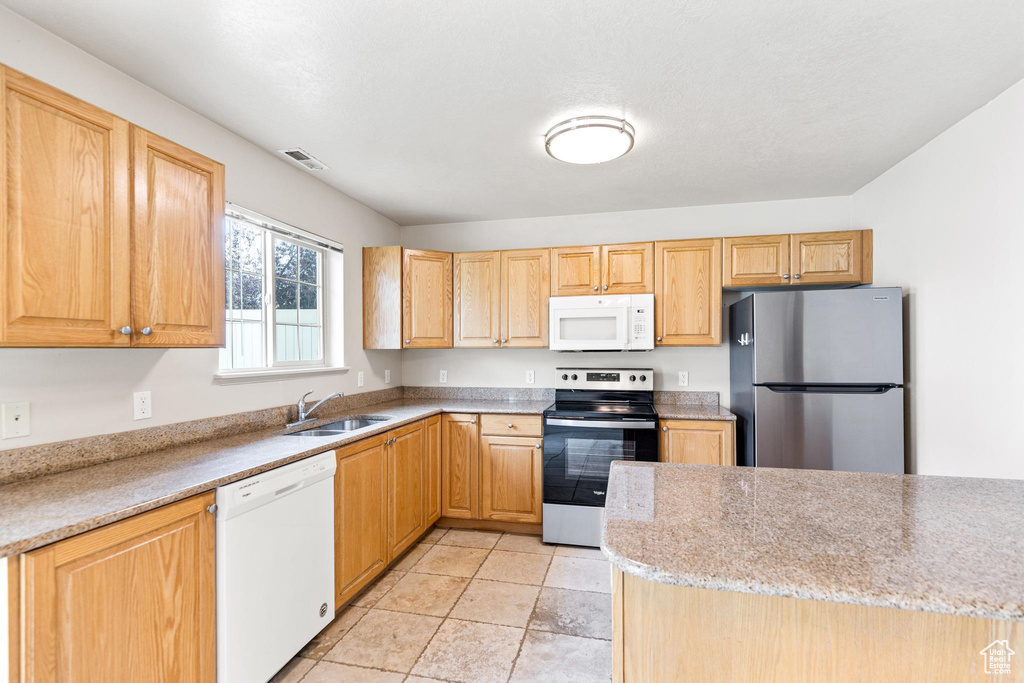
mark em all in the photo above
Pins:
pixel 80 392
pixel 949 227
pixel 708 366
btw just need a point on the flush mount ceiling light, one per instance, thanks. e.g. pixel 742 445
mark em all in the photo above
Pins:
pixel 589 139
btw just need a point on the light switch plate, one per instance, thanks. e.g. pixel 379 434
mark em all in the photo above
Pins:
pixel 143 401
pixel 359 379
pixel 16 420
pixel 443 379
pixel 684 378
pixel 387 377
pixel 529 376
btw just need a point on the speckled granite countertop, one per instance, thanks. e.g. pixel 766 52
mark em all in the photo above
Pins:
pixel 687 411
pixel 45 509
pixel 950 545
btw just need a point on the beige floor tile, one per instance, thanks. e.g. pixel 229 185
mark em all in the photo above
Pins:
pixel 496 602
pixel 451 560
pixel 385 640
pixel 469 538
pixel 326 639
pixel 413 556
pixel 421 679
pixel 424 594
pixel 293 671
pixel 434 536
pixel 329 672
pixel 378 589
pixel 502 565
pixel 552 657
pixel 523 543
pixel 467 651
pixel 577 551
pixel 577 573
pixel 575 613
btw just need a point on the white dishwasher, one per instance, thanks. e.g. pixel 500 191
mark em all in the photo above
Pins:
pixel 275 566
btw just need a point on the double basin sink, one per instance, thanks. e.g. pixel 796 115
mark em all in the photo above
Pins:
pixel 349 424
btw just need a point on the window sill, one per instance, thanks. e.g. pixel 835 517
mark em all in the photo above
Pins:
pixel 267 375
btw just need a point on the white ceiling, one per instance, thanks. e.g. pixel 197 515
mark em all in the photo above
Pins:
pixel 436 111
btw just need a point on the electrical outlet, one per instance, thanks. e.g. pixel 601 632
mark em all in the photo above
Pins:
pixel 387 377
pixel 444 377
pixel 529 376
pixel 143 401
pixel 684 378
pixel 359 379
pixel 16 420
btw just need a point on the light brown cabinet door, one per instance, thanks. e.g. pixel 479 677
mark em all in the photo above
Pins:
pixel 688 293
pixel 405 487
pixel 360 516
pixel 575 271
pixel 627 268
pixel 426 299
pixel 382 297
pixel 698 442
pixel 432 478
pixel 511 478
pixel 65 212
pixel 477 299
pixel 755 261
pixel 132 601
pixel 177 244
pixel 460 452
pixel 829 257
pixel 525 288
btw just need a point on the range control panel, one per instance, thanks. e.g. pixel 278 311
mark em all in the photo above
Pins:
pixel 610 379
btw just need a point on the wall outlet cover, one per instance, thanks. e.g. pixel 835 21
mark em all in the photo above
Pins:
pixel 359 379
pixel 16 420
pixel 444 377
pixel 684 378
pixel 143 403
pixel 387 377
pixel 529 377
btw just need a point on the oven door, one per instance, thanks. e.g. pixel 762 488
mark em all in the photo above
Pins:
pixel 579 452
pixel 589 323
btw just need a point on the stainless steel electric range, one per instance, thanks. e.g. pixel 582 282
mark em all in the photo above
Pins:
pixel 599 415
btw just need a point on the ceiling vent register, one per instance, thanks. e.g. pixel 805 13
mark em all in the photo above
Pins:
pixel 305 158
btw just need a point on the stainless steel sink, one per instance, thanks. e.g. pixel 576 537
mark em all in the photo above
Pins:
pixel 349 424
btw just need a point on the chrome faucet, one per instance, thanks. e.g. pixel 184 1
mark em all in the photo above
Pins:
pixel 304 415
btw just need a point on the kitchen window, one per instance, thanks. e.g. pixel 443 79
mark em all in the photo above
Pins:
pixel 276 296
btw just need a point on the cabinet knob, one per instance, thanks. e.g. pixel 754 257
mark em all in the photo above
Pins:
pixel 503 340
pixel 664 429
pixel 127 329
pixel 212 509
pixel 472 422
pixel 606 287
pixel 595 288
pixel 510 425
pixel 494 341
pixel 786 276
pixel 146 331
pixel 407 341
pixel 537 446
pixel 659 338
pixel 797 276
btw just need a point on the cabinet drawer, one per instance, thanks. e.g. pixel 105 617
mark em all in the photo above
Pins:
pixel 510 425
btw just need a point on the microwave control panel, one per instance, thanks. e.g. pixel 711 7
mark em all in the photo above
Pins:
pixel 641 322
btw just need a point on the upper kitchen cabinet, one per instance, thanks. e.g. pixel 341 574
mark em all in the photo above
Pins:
pixel 688 293
pixel 627 268
pixel 382 297
pixel 575 271
pixel 525 287
pixel 477 299
pixel 831 257
pixel 755 261
pixel 65 244
pixel 177 244
pixel 426 299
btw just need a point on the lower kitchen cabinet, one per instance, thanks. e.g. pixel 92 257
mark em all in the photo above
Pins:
pixel 698 442
pixel 406 485
pixel 460 453
pixel 511 478
pixel 360 516
pixel 132 601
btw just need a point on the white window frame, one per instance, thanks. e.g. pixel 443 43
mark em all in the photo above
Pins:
pixel 272 230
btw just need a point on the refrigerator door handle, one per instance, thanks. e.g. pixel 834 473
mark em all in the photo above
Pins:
pixel 830 388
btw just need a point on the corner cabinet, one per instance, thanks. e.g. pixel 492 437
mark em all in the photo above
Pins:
pixel 688 293
pixel 816 258
pixel 109 235
pixel 698 442
pixel 132 601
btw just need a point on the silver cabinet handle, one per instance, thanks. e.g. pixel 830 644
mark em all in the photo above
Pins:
pixel 407 341
pixel 797 276
pixel 659 338
pixel 786 276
pixel 537 446
pixel 494 341
pixel 146 331
pixel 606 287
pixel 664 429
pixel 472 422
pixel 510 425
pixel 503 340
pixel 212 509
pixel 595 288
pixel 127 329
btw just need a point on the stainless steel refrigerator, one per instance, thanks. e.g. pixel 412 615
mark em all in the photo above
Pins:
pixel 817 379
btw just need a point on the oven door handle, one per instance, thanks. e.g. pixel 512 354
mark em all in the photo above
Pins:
pixel 603 424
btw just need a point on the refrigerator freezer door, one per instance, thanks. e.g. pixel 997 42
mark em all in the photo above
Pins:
pixel 855 432
pixel 847 336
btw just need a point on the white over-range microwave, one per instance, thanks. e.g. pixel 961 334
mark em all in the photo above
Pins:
pixel 601 323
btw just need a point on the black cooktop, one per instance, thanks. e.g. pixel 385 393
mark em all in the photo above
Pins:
pixel 600 410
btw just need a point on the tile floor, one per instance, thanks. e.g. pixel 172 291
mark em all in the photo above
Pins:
pixel 472 606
